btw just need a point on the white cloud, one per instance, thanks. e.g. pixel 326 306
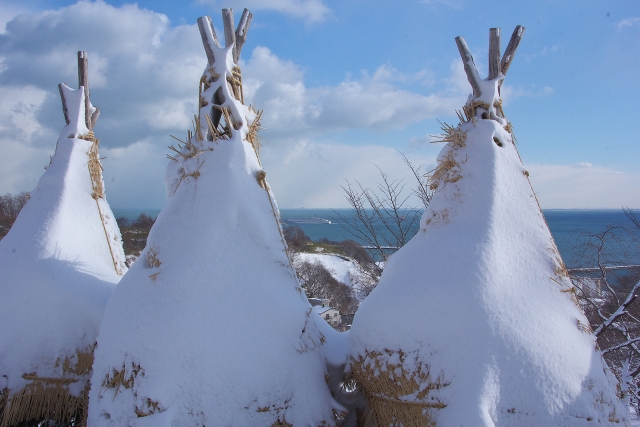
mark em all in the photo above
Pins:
pixel 312 11
pixel 371 102
pixel 584 186
pixel 311 174
pixel 18 109
pixel 8 11
pixel 134 175
pixel 510 93
pixel 629 22
pixel 144 77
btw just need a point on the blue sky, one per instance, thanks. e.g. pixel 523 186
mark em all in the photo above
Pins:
pixel 344 84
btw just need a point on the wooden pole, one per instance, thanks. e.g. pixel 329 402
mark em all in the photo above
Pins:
pixel 469 66
pixel 494 53
pixel 208 34
pixel 64 103
pixel 229 33
pixel 241 33
pixel 511 49
pixel 83 80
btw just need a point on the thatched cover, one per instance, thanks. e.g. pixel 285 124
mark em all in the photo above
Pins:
pixel 210 326
pixel 474 321
pixel 59 264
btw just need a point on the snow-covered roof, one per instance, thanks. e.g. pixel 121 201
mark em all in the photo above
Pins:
pixel 322 310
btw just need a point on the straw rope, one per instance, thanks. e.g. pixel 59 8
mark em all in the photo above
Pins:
pixel 95 172
pixel 388 387
pixel 48 398
pixel 252 136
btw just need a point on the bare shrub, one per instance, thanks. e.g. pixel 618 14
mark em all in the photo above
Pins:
pixel 607 283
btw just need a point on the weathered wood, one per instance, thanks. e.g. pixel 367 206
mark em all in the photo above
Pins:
pixel 64 103
pixel 216 114
pixel 94 117
pixel 469 65
pixel 209 38
pixel 241 33
pixel 83 80
pixel 511 49
pixel 494 53
pixel 229 33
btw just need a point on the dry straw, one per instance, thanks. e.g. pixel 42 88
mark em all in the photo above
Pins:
pixel 447 169
pixel 396 395
pixel 122 378
pixel 97 185
pixel 48 398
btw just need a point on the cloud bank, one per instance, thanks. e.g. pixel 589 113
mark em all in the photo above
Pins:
pixel 144 76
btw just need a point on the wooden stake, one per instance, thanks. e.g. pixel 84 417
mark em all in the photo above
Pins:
pixel 94 117
pixel 64 103
pixel 83 80
pixel 494 53
pixel 241 33
pixel 227 20
pixel 469 65
pixel 511 49
pixel 208 34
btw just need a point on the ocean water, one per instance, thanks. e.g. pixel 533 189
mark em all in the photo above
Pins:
pixel 567 226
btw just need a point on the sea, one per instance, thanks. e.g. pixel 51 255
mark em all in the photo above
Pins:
pixel 568 226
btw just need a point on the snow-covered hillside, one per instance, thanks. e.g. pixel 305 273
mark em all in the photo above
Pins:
pixel 343 269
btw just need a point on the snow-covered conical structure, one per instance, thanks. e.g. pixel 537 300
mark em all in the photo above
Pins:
pixel 59 263
pixel 474 322
pixel 209 326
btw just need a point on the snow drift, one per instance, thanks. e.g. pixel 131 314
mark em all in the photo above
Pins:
pixel 474 322
pixel 210 326
pixel 60 263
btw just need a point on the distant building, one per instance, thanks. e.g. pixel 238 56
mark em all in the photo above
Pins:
pixel 331 315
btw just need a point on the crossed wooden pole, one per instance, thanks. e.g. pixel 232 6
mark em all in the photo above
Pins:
pixel 83 81
pixel 233 38
pixel 498 67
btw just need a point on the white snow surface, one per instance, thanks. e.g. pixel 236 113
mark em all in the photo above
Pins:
pixel 212 312
pixel 479 296
pixel 342 269
pixel 57 268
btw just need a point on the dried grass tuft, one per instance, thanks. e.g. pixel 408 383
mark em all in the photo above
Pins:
pixel 261 177
pixel 97 186
pixel 152 407
pixel 451 135
pixel 446 171
pixel 397 396
pixel 186 150
pixel 95 168
pixel 152 258
pixel 122 378
pixel 235 83
pixel 282 423
pixel 253 136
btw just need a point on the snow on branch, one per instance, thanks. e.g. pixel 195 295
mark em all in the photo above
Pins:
pixel 622 310
pixel 507 58
pixel 469 65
